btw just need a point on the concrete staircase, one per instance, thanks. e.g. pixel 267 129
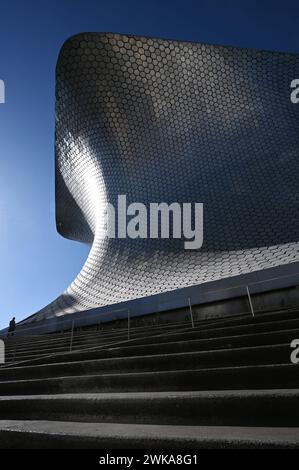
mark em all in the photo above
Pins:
pixel 224 383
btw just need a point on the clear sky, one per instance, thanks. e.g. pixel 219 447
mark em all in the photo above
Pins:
pixel 36 264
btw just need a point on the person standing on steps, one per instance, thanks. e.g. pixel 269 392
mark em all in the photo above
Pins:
pixel 12 327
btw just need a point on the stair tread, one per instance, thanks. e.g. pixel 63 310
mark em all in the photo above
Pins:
pixel 184 332
pixel 181 388
pixel 100 396
pixel 232 351
pixel 207 435
pixel 121 347
pixel 148 373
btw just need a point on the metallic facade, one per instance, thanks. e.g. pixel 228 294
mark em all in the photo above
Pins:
pixel 162 120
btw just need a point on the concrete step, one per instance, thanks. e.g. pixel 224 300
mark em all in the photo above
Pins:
pixel 239 319
pixel 273 354
pixel 218 332
pixel 167 326
pixel 225 383
pixel 64 343
pixel 128 348
pixel 79 336
pixel 226 378
pixel 72 435
pixel 30 353
pixel 18 350
pixel 212 408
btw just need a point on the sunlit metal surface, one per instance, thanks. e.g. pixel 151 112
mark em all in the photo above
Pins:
pixel 168 121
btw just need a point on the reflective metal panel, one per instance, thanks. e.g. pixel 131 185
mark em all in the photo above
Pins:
pixel 168 121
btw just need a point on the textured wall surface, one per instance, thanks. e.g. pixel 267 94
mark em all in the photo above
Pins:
pixel 168 121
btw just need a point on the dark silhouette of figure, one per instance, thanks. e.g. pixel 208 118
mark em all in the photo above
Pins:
pixel 12 327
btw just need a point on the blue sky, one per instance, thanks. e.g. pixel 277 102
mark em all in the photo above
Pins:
pixel 36 264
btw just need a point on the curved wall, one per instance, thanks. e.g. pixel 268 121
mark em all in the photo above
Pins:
pixel 162 120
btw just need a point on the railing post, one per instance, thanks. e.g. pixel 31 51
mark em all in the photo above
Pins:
pixel 249 299
pixel 191 312
pixel 128 324
pixel 72 335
